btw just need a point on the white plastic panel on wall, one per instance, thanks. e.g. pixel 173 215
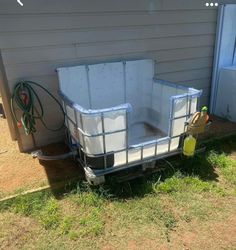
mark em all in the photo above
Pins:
pixel 73 84
pixel 139 79
pixel 106 85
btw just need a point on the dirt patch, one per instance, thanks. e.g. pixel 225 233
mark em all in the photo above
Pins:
pixel 15 230
pixel 219 127
pixel 19 171
pixel 207 235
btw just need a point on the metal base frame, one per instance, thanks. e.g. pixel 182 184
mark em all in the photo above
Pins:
pixel 97 177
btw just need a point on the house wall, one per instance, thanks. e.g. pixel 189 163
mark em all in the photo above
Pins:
pixel 42 35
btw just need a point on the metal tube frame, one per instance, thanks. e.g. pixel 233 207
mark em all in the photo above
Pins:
pixel 140 146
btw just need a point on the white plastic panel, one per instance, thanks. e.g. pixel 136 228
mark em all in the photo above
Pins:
pixel 106 85
pixel 115 142
pixel 194 105
pixel 180 107
pixel 112 84
pixel 120 158
pixel 162 147
pixel 139 80
pixel 73 83
pixel 94 145
pixel 92 124
pixel 149 151
pixel 174 144
pixel 134 154
pixel 115 120
pixel 178 126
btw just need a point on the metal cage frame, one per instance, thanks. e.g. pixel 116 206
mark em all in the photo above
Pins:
pixel 96 176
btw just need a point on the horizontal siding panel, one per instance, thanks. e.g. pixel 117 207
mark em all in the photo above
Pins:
pixel 187 75
pixel 52 22
pixel 144 45
pixel 181 65
pixel 57 53
pixel 54 53
pixel 182 53
pixel 60 6
pixel 106 49
pixel 160 56
pixel 50 82
pixel 31 39
pixel 202 83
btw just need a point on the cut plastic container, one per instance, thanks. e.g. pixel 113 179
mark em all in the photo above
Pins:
pixel 119 114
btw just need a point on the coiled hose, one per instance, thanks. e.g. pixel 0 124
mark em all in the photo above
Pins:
pixel 28 101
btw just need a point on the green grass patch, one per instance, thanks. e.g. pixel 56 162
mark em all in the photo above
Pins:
pixel 91 223
pixel 226 166
pixel 49 215
pixel 179 183
pixel 27 205
pixel 41 206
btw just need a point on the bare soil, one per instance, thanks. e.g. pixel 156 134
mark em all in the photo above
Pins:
pixel 20 171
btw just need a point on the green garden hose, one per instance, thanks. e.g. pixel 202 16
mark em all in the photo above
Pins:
pixel 28 101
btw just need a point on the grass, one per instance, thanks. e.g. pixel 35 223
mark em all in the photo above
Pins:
pixel 195 190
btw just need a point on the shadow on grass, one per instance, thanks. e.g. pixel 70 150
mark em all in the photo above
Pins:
pixel 198 166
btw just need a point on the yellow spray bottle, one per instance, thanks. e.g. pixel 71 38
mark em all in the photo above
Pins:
pixel 189 145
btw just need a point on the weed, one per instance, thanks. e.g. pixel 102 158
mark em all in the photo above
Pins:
pixel 88 199
pixel 49 216
pixel 226 166
pixel 38 205
pixel 66 225
pixel 73 235
pixel 85 195
pixel 219 160
pixel 91 223
pixel 185 184
pixel 27 205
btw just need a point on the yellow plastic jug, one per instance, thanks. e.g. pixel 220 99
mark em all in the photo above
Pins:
pixel 189 146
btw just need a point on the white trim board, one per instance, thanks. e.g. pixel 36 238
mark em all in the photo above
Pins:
pixel 225 46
